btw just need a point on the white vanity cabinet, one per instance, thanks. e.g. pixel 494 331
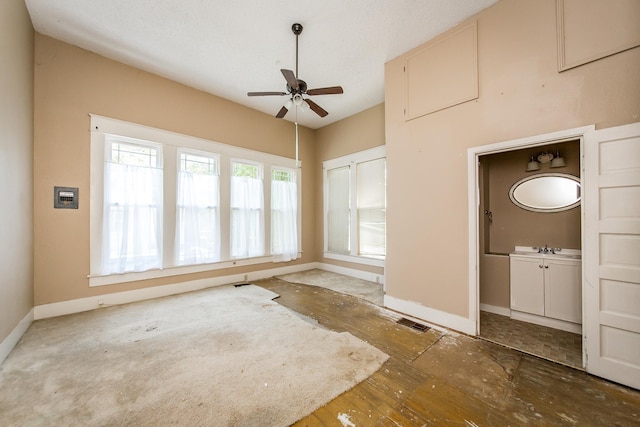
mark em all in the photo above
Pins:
pixel 527 285
pixel 563 290
pixel 546 288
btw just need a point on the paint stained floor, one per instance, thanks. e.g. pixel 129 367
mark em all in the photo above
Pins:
pixel 553 344
pixel 442 378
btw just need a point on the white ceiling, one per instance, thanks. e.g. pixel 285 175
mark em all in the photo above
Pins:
pixel 231 47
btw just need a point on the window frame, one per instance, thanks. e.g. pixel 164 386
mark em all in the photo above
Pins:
pixel 261 214
pixel 350 160
pixel 216 161
pixel 110 140
pixel 170 142
pixel 295 177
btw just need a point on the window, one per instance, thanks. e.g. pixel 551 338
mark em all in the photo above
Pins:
pixel 164 204
pixel 371 191
pixel 338 212
pixel 247 204
pixel 132 228
pixel 355 207
pixel 198 221
pixel 284 214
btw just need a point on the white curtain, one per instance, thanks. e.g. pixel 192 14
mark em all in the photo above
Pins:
pixel 132 222
pixel 247 217
pixel 197 222
pixel 338 212
pixel 284 220
pixel 371 190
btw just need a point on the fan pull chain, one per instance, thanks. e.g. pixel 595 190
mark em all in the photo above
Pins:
pixel 296 122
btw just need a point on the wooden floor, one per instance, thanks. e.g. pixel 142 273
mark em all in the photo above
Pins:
pixel 436 378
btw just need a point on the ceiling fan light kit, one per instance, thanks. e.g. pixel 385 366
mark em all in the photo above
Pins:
pixel 296 88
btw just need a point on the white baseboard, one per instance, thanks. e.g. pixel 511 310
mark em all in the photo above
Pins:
pixel 503 311
pixel 91 303
pixel 352 272
pixel 12 339
pixel 430 315
pixel 547 321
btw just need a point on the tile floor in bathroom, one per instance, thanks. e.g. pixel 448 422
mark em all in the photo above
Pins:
pixel 552 344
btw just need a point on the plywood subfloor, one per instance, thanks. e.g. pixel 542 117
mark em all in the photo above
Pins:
pixel 439 378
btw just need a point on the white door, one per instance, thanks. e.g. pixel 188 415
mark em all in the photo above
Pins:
pixel 611 254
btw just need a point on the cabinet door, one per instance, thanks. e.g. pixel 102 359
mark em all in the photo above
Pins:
pixel 563 293
pixel 527 287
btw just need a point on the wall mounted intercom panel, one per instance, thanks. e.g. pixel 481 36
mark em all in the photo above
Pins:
pixel 65 197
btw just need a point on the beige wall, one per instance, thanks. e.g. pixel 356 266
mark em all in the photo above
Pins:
pixel 70 83
pixel 16 154
pixel 359 132
pixel 494 280
pixel 521 94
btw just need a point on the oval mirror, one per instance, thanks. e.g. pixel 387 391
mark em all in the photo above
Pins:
pixel 546 192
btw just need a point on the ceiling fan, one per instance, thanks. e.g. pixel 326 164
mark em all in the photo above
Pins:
pixel 296 88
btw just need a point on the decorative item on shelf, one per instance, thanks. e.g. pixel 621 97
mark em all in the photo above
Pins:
pixel 557 161
pixel 554 160
pixel 533 165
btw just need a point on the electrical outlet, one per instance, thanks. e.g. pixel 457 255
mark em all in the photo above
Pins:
pixel 100 301
pixel 246 277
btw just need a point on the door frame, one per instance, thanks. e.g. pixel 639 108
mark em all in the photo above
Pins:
pixel 473 191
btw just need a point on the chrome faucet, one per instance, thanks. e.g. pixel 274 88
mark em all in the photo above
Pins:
pixel 544 250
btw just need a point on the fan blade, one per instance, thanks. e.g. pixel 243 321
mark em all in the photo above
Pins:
pixel 316 108
pixel 265 93
pixel 333 90
pixel 283 111
pixel 290 78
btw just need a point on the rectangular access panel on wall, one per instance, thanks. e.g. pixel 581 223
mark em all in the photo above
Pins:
pixel 594 29
pixel 443 73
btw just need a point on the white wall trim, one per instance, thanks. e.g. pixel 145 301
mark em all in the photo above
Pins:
pixel 430 315
pixel 91 303
pixel 352 272
pixel 7 344
pixel 503 311
pixel 356 259
pixel 62 308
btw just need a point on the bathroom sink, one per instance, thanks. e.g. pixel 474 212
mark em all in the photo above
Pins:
pixel 562 254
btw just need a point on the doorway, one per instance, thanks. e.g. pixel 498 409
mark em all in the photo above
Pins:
pixel 499 226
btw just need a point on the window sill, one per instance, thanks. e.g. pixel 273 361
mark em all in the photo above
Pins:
pixel 375 262
pixel 112 279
